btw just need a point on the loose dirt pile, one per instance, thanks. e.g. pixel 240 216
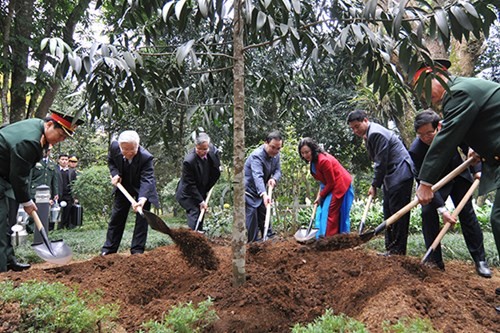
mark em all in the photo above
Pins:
pixel 286 283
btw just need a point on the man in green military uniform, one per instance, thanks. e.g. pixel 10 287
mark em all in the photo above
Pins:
pixel 471 110
pixel 21 147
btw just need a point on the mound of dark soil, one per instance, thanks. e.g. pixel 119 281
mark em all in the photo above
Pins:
pixel 286 283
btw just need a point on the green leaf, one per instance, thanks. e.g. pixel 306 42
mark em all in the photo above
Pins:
pixel 203 6
pixel 178 8
pixel 442 21
pixel 129 60
pixel 183 51
pixel 44 42
pixel 167 10
pixel 357 32
pixel 52 45
pixel 261 20
pixel 296 6
pixel 462 18
pixel 470 8
pixel 370 8
pixel 287 4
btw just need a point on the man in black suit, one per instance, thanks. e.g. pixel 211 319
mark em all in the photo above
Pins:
pixel 427 124
pixel 66 178
pixel 200 172
pixel 393 169
pixel 132 166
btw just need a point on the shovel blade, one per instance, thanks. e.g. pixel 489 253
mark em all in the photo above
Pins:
pixel 156 223
pixel 302 235
pixel 57 252
pixel 365 237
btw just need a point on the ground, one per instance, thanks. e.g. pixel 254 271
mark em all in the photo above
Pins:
pixel 286 283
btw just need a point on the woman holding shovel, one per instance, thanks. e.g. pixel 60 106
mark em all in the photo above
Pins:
pixel 336 193
pixel 200 172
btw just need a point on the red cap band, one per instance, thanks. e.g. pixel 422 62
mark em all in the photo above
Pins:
pixel 63 122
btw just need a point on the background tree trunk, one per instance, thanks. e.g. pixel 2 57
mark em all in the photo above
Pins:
pixel 239 234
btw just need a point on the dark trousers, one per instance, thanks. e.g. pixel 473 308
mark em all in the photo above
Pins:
pixel 6 222
pixel 116 226
pixel 471 230
pixel 396 235
pixel 192 215
pixel 66 215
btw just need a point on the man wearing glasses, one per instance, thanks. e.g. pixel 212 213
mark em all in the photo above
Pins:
pixel 427 124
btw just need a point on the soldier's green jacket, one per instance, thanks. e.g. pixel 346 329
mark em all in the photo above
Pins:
pixel 472 115
pixel 44 173
pixel 20 149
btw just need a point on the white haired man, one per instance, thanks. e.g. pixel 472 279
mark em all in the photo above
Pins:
pixel 132 166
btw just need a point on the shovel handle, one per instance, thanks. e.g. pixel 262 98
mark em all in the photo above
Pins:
pixel 455 213
pixel 202 211
pixel 365 213
pixel 37 220
pixel 313 215
pixel 445 180
pixel 268 213
pixel 128 196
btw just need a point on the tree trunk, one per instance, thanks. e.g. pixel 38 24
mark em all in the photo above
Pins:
pixel 239 234
pixel 23 27
pixel 6 56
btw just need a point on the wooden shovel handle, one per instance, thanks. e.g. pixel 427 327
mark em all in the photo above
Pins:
pixel 458 170
pixel 367 208
pixel 38 222
pixel 268 213
pixel 202 211
pixel 455 213
pixel 128 196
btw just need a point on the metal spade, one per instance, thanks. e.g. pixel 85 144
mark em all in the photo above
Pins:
pixel 154 221
pixel 303 235
pixel 56 252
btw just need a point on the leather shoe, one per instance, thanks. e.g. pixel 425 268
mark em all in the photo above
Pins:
pixel 497 308
pixel 497 291
pixel 17 266
pixel 482 269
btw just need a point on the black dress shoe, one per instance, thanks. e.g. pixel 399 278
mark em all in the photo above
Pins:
pixel 17 266
pixel 482 269
pixel 497 308
pixel 497 291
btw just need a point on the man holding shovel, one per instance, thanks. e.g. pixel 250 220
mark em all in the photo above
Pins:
pixel 200 172
pixel 471 114
pixel 132 166
pixel 393 169
pixel 427 124
pixel 262 168
pixel 21 147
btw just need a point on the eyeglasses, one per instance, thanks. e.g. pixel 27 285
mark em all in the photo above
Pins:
pixel 427 134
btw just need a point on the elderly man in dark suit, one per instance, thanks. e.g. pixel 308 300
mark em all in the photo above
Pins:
pixel 200 172
pixel 471 114
pixel 262 168
pixel 132 166
pixel 427 124
pixel 21 147
pixel 393 169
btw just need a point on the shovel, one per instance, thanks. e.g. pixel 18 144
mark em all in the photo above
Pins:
pixel 447 226
pixel 303 235
pixel 268 214
pixel 154 221
pixel 381 227
pixel 202 211
pixel 365 213
pixel 56 252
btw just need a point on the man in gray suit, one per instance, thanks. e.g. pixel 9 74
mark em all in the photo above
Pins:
pixel 393 168
pixel 262 168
